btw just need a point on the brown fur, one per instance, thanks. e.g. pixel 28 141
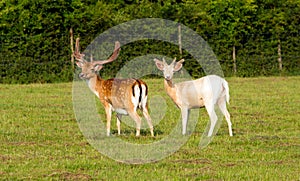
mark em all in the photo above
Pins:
pixel 115 94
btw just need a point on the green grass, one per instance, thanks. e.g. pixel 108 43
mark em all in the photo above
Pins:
pixel 40 138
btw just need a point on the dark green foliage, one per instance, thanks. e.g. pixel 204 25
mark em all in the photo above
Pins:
pixel 35 47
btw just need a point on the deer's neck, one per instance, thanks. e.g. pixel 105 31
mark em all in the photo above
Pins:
pixel 94 84
pixel 171 91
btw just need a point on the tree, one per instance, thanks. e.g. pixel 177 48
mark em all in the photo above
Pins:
pixel 278 22
pixel 233 20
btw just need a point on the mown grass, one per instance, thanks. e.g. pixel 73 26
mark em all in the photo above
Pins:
pixel 40 138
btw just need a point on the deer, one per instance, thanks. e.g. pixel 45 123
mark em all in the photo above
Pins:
pixel 208 91
pixel 123 96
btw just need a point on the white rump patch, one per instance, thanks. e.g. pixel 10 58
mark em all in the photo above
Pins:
pixel 135 99
pixel 144 96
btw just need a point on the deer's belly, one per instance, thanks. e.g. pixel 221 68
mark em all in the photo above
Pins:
pixel 121 111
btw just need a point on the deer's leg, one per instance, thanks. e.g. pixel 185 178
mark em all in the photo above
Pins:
pixel 108 118
pixel 148 118
pixel 185 117
pixel 213 118
pixel 133 114
pixel 223 108
pixel 119 117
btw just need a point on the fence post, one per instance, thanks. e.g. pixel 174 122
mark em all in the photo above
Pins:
pixel 234 59
pixel 279 56
pixel 72 48
pixel 179 39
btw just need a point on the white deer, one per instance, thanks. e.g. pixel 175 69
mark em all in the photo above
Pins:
pixel 123 96
pixel 205 92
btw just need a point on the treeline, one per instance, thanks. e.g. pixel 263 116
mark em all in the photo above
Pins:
pixel 249 37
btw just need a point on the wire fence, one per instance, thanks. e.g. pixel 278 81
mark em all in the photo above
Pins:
pixel 40 58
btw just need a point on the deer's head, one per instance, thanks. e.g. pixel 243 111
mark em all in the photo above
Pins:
pixel 168 70
pixel 89 69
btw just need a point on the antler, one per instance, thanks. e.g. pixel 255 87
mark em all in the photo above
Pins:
pixel 174 60
pixel 80 56
pixel 112 57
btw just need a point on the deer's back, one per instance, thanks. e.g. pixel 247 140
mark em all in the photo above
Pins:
pixel 194 93
pixel 124 93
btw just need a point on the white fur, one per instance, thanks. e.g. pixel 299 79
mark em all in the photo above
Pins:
pixel 213 90
pixel 121 111
pixel 135 98
pixel 92 88
pixel 207 92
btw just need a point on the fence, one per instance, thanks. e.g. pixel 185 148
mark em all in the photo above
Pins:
pixel 46 59
pixel 35 59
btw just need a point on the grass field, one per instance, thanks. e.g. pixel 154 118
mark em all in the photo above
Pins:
pixel 40 138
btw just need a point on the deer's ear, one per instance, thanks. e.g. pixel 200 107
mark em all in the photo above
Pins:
pixel 178 65
pixel 79 64
pixel 159 64
pixel 98 67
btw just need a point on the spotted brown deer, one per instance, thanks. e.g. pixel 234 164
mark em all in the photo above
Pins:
pixel 124 96
pixel 207 92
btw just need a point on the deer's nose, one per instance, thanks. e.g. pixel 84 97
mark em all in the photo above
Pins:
pixel 81 75
pixel 168 77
